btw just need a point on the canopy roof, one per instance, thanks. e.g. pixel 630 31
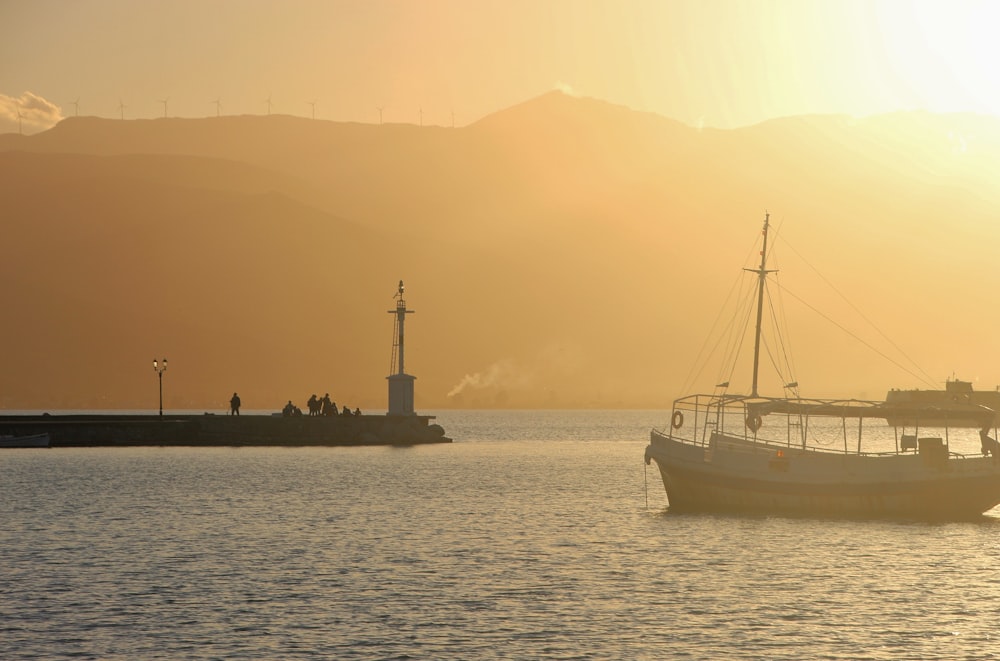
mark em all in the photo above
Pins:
pixel 952 415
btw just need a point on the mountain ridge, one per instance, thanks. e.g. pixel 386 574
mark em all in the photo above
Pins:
pixel 573 249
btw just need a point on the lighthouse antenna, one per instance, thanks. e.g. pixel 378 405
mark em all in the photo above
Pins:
pixel 400 383
pixel 398 334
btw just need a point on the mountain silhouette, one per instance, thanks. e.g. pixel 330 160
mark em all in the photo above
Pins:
pixel 563 252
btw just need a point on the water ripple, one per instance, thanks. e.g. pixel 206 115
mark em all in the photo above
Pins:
pixel 488 550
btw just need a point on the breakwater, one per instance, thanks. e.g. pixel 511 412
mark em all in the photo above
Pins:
pixel 223 430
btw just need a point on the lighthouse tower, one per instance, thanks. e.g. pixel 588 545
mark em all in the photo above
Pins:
pixel 400 383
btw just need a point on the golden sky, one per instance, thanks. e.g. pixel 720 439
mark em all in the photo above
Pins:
pixel 720 63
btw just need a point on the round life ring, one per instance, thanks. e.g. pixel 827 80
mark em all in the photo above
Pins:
pixel 678 420
pixel 753 423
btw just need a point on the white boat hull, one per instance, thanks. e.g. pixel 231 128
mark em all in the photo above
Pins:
pixel 941 408
pixel 733 474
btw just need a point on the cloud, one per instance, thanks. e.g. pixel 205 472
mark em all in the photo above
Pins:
pixel 565 88
pixel 37 113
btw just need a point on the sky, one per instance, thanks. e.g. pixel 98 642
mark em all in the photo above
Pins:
pixel 720 63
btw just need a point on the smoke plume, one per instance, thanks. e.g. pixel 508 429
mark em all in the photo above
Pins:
pixel 501 374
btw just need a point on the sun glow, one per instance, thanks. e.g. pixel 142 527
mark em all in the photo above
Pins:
pixel 943 55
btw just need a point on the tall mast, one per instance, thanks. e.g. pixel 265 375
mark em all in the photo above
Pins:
pixel 761 278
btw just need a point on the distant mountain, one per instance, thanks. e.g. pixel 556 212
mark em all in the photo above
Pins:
pixel 563 252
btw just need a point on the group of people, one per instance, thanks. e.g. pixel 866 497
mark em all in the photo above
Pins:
pixel 318 406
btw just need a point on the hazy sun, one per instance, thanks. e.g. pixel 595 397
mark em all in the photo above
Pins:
pixel 943 55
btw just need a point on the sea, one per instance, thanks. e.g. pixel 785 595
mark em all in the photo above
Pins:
pixel 535 535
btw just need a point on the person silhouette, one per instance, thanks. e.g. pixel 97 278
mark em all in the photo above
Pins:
pixel 990 446
pixel 234 405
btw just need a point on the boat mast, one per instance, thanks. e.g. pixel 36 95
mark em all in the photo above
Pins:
pixel 761 277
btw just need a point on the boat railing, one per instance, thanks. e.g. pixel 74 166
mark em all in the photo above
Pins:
pixel 822 425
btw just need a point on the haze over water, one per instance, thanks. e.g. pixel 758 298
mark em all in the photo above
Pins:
pixel 568 188
pixel 529 538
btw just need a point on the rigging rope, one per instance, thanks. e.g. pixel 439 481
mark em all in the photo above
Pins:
pixel 926 378
pixel 841 327
pixel 732 335
pixel 698 365
pixel 786 369
pixel 395 345
pixel 737 333
pixel 645 485
pixel 786 344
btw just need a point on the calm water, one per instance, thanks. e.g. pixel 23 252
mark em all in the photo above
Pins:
pixel 529 538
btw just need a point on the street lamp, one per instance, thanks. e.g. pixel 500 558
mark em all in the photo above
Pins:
pixel 160 367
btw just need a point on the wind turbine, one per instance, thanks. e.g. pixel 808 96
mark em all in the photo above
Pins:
pixel 76 107
pixel 20 130
pixel 268 102
pixel 164 102
pixel 380 109
pixel 121 107
pixel 421 116
pixel 218 107
pixel 313 104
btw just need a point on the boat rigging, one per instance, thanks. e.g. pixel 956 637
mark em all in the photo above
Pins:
pixel 735 452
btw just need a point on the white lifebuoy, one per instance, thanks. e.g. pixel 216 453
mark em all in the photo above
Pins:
pixel 678 420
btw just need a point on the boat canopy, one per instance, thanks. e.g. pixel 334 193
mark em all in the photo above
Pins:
pixel 952 415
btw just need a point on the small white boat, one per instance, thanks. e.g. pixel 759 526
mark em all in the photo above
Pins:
pixel 939 407
pixel 31 441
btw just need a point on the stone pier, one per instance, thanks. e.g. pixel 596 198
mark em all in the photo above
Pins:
pixel 224 430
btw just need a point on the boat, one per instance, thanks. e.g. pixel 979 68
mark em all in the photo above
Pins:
pixel 955 394
pixel 30 441
pixel 792 455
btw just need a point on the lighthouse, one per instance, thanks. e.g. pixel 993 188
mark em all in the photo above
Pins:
pixel 400 383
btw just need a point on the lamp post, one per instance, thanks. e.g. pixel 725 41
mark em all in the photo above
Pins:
pixel 160 367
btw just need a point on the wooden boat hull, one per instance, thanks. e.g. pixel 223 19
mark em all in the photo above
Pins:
pixel 718 459
pixel 731 474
